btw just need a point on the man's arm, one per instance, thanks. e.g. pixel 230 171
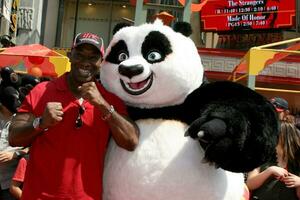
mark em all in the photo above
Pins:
pixel 15 189
pixel 21 130
pixel 256 178
pixel 6 156
pixel 124 131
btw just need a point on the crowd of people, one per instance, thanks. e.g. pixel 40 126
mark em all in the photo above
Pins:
pixel 13 89
pixel 30 119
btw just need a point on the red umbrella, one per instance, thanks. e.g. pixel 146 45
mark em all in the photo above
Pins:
pixel 34 59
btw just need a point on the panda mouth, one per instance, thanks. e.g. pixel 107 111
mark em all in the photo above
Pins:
pixel 138 88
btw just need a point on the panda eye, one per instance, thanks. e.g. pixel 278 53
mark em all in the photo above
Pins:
pixel 122 56
pixel 154 56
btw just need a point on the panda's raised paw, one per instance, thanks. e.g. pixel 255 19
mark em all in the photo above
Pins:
pixel 224 134
pixel 236 127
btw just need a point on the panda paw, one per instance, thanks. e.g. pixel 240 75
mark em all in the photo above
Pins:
pixel 208 131
pixel 225 135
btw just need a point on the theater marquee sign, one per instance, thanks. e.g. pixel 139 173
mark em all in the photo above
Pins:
pixel 228 15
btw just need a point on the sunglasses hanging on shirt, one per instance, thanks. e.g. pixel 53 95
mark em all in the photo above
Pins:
pixel 79 122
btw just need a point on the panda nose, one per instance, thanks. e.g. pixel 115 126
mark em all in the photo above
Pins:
pixel 131 71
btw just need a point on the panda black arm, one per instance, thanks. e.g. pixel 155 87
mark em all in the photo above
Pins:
pixel 236 127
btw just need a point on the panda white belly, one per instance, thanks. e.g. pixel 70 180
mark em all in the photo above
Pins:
pixel 166 166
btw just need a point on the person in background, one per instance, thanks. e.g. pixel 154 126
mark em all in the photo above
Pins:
pixel 23 83
pixel 10 78
pixel 67 121
pixel 18 178
pixel 281 106
pixel 9 156
pixel 279 180
pixel 27 83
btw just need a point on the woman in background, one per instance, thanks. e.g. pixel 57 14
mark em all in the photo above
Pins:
pixel 279 180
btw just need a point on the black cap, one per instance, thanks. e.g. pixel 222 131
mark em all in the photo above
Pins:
pixel 89 38
pixel 280 104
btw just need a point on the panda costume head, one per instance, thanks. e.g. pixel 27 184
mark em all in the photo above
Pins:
pixel 157 72
pixel 153 65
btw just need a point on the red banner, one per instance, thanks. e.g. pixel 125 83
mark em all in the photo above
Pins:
pixel 227 15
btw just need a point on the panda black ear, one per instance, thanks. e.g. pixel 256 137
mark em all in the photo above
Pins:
pixel 184 28
pixel 119 26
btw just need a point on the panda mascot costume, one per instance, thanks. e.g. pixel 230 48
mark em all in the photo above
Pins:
pixel 196 138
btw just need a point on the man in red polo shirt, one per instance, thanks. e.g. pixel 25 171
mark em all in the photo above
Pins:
pixel 67 123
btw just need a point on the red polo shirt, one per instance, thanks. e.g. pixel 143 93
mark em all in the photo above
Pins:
pixel 66 163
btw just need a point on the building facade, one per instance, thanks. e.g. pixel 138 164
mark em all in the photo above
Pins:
pixel 54 23
pixel 22 20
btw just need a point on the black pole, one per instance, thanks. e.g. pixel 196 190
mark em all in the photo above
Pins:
pixel 110 21
pixel 43 25
pixel 59 23
pixel 76 16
